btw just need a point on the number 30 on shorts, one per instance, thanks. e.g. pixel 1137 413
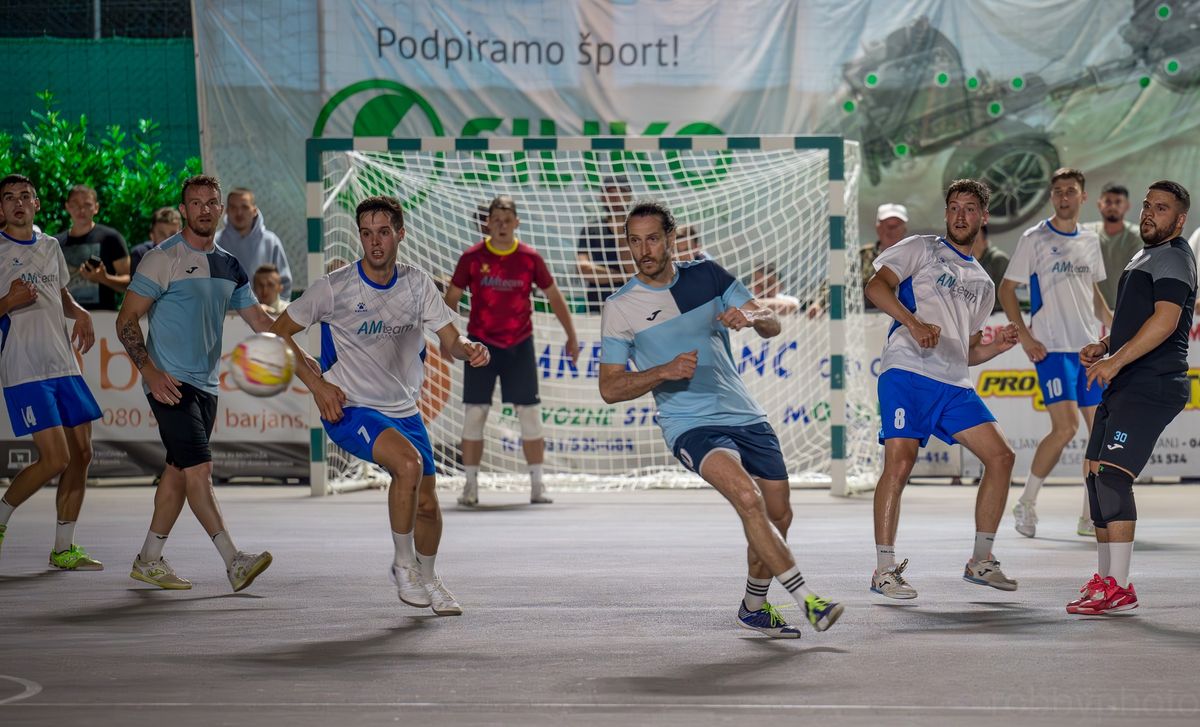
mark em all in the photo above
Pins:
pixel 898 419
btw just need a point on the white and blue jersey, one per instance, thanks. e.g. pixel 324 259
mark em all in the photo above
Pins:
pixel 650 326
pixel 192 291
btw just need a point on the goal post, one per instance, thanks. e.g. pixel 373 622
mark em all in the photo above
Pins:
pixel 774 210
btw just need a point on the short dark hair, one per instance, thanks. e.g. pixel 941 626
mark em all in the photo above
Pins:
pixel 652 208
pixel 970 186
pixel 199 180
pixel 82 189
pixel 502 202
pixel 1114 188
pixel 1068 173
pixel 1163 185
pixel 381 203
pixel 12 179
pixel 264 269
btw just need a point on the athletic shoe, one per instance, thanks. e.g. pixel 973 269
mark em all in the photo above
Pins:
pixel 988 573
pixel 158 573
pixel 468 500
pixel 74 558
pixel 441 599
pixel 1114 599
pixel 246 567
pixel 822 613
pixel 767 621
pixel 1092 589
pixel 1025 515
pixel 409 586
pixel 540 500
pixel 1086 528
pixel 891 583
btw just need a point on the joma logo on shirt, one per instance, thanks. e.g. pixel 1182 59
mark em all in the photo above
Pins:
pixel 1068 268
pixel 379 328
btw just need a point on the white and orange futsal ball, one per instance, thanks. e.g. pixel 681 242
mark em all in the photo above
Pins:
pixel 262 365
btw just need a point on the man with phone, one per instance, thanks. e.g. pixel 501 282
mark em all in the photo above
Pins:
pixel 97 254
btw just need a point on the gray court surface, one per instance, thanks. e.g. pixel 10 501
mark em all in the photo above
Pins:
pixel 599 609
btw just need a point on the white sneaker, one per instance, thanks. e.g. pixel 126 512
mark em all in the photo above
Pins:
pixel 443 601
pixel 158 573
pixel 1026 518
pixel 1086 528
pixel 988 573
pixel 246 567
pixel 409 587
pixel 891 583
pixel 540 499
pixel 469 497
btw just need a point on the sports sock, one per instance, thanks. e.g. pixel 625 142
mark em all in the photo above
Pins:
pixel 225 547
pixel 1103 559
pixel 756 592
pixel 406 554
pixel 428 574
pixel 535 480
pixel 983 546
pixel 472 484
pixel 794 583
pixel 885 556
pixel 6 511
pixel 1033 485
pixel 64 534
pixel 153 547
pixel 1120 554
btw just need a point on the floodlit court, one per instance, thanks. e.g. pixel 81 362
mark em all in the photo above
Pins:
pixel 613 608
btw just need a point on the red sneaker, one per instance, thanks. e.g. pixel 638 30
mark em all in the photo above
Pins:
pixel 1114 599
pixel 1092 589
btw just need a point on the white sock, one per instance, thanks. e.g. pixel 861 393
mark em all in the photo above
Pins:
pixel 535 480
pixel 983 546
pixel 756 592
pixel 428 574
pixel 64 535
pixel 472 485
pixel 1120 554
pixel 406 554
pixel 225 547
pixel 794 583
pixel 1103 559
pixel 153 547
pixel 885 557
pixel 6 511
pixel 1033 484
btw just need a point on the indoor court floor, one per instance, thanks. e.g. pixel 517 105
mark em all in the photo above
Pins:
pixel 613 609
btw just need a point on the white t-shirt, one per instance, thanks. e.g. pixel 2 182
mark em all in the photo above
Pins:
pixel 35 344
pixel 372 336
pixel 941 286
pixel 1061 271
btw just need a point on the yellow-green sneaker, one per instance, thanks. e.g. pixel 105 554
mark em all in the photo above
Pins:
pixel 821 613
pixel 74 558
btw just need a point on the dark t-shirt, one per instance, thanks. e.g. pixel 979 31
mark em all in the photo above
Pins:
pixel 136 255
pixel 995 262
pixel 602 244
pixel 103 242
pixel 1165 272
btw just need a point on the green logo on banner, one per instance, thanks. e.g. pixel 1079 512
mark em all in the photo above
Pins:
pixel 383 113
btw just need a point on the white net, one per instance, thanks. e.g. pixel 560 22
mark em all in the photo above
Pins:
pixel 762 215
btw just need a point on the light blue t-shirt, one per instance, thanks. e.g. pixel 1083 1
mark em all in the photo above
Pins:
pixel 650 326
pixel 192 291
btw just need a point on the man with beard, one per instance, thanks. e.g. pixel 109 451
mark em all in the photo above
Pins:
pixel 1119 240
pixel 1143 361
pixel 939 297
pixel 184 286
pixel 673 321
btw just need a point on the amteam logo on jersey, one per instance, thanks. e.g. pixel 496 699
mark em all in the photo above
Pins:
pixel 35 278
pixel 1011 384
pixel 379 328
pixel 1066 267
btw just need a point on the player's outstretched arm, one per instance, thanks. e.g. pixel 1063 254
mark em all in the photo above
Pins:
pixel 881 290
pixel 1002 340
pixel 618 384
pixel 558 305
pixel 1161 323
pixel 256 318
pixel 83 334
pixel 463 348
pixel 329 397
pixel 163 386
pixel 762 318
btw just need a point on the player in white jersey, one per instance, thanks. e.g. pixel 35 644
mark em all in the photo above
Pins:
pixel 373 316
pixel 940 297
pixel 44 390
pixel 1063 265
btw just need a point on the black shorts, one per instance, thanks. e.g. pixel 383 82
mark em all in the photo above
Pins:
pixel 1132 416
pixel 517 368
pixel 186 427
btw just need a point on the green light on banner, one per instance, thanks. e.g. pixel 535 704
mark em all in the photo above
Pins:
pixel 848 107
pixel 972 83
pixel 872 79
pixel 901 150
pixel 1144 81
pixel 942 78
pixel 1172 66
pixel 1018 83
pixel 1163 12
pixel 995 108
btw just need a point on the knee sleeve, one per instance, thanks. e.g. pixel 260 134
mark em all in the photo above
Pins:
pixel 531 422
pixel 1093 503
pixel 1114 495
pixel 474 418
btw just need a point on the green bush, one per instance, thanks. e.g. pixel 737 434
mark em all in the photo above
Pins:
pixel 130 180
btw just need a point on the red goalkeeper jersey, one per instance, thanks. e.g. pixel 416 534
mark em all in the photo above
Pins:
pixel 500 286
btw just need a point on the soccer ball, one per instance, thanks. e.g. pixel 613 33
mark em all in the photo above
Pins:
pixel 262 365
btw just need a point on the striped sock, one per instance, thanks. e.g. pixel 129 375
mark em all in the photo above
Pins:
pixel 794 583
pixel 756 592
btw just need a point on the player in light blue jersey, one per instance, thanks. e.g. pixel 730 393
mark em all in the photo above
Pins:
pixel 939 297
pixel 373 316
pixel 672 320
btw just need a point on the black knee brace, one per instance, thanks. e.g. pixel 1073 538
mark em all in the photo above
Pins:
pixel 1093 502
pixel 1114 495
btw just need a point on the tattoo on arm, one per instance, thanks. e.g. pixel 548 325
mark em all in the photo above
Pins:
pixel 135 345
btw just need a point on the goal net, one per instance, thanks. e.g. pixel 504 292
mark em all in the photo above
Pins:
pixel 779 213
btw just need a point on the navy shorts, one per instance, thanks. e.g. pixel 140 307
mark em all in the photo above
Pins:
pixel 64 401
pixel 517 369
pixel 359 427
pixel 1062 377
pixel 756 445
pixel 915 407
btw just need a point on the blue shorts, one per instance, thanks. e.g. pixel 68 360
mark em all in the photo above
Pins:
pixel 62 402
pixel 914 407
pixel 756 444
pixel 360 427
pixel 1062 378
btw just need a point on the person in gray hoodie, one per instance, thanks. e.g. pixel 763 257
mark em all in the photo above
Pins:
pixel 247 238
